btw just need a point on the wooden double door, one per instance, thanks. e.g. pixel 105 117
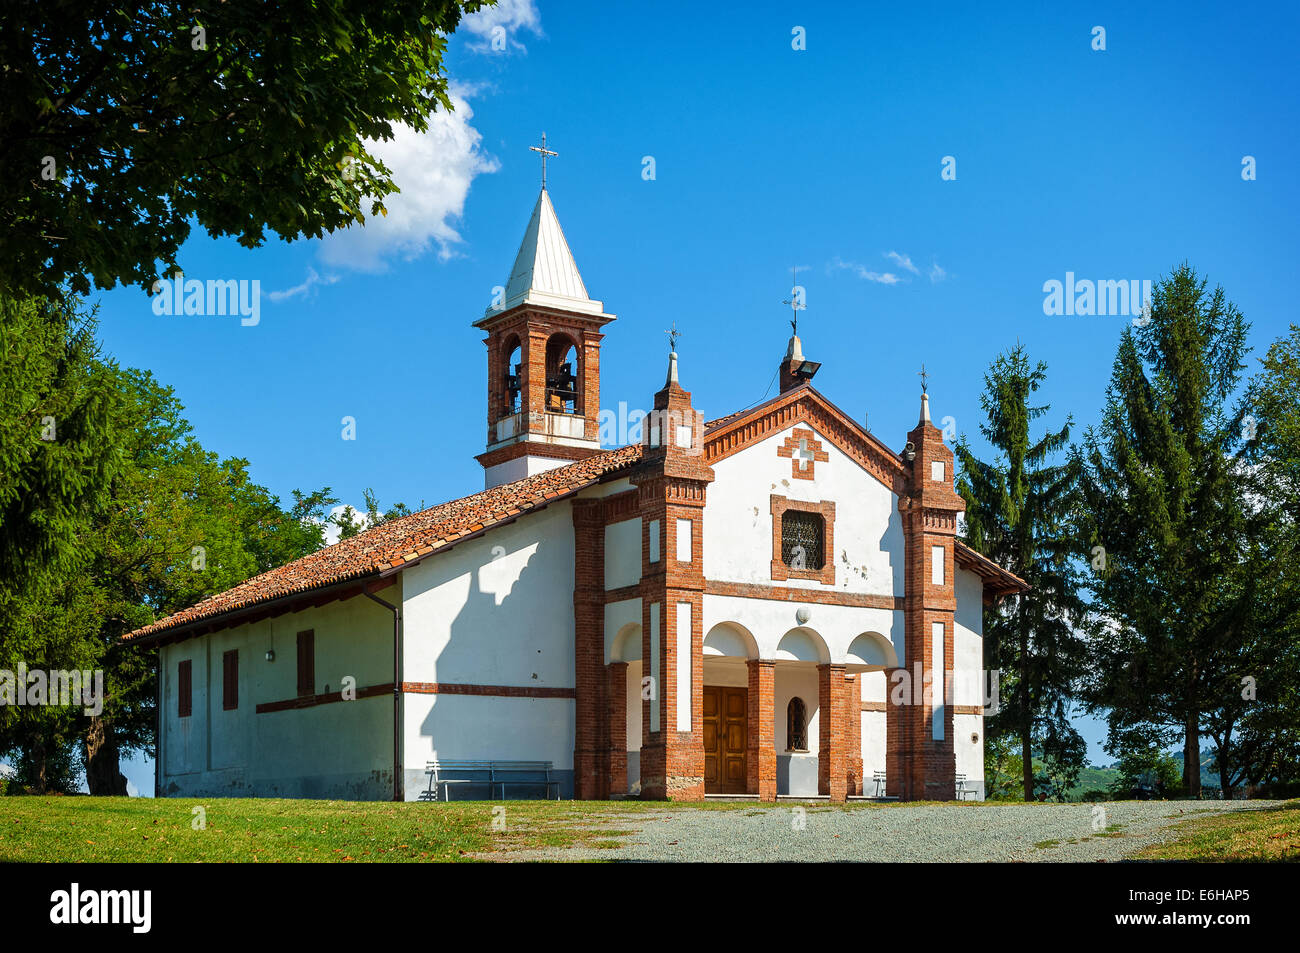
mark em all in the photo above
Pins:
pixel 726 736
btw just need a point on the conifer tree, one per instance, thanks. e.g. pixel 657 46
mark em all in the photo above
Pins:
pixel 1018 511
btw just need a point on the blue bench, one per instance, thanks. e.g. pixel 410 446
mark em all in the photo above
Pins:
pixel 493 775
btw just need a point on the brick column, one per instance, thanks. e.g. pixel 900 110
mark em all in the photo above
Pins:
pixel 589 383
pixel 616 724
pixel 533 402
pixel 671 483
pixel 853 731
pixel 898 752
pixel 760 763
pixel 590 734
pixel 832 759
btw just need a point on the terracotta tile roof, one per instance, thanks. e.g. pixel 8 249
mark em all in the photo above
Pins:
pixel 996 579
pixel 393 544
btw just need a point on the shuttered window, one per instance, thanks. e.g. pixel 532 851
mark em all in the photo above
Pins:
pixel 307 662
pixel 184 686
pixel 230 680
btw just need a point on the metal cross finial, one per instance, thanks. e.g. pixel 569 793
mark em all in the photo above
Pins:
pixel 925 379
pixel 545 152
pixel 673 335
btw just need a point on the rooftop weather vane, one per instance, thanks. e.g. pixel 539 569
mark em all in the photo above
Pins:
pixel 545 153
pixel 673 335
pixel 925 378
pixel 793 301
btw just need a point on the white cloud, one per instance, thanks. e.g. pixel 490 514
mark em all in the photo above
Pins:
pixel 332 529
pixel 495 28
pixel 313 279
pixel 434 170
pixel 883 278
pixel 937 274
pixel 903 261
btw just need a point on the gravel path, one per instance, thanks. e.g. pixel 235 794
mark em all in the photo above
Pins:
pixel 921 833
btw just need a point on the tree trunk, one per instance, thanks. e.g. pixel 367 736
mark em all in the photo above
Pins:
pixel 39 768
pixel 1192 757
pixel 1026 718
pixel 104 777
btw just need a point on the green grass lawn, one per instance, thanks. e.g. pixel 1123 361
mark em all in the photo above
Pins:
pixel 87 830
pixel 1269 834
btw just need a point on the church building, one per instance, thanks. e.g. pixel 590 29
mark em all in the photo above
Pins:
pixel 769 603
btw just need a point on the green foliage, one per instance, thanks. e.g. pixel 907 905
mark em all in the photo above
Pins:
pixel 1018 513
pixel 160 526
pixel 125 123
pixel 1140 766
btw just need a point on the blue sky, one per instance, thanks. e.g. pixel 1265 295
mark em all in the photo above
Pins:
pixel 1114 164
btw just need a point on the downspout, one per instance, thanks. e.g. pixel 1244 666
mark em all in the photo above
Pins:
pixel 158 727
pixel 399 781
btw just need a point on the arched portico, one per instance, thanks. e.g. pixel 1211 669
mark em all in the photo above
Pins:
pixel 623 678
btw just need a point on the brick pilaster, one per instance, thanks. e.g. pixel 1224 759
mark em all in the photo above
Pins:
pixel 929 511
pixel 590 733
pixel 853 730
pixel 760 763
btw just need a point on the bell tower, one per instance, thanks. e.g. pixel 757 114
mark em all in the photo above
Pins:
pixel 543 343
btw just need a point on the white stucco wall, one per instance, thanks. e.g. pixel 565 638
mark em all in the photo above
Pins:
pixel 336 750
pixel 738 519
pixel 494 611
pixel 968 676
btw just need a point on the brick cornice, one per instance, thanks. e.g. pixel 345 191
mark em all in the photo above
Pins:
pixel 534 448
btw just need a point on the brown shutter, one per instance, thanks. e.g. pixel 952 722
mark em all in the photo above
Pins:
pixel 184 684
pixel 307 662
pixel 230 680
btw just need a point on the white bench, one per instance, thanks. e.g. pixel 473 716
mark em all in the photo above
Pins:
pixel 492 774
pixel 965 787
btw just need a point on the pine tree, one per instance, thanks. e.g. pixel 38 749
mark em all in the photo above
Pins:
pixel 1018 511
pixel 1181 552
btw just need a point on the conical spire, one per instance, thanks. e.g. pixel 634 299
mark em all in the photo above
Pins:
pixel 545 272
pixel 925 408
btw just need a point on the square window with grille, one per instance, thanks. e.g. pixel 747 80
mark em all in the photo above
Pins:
pixel 803 537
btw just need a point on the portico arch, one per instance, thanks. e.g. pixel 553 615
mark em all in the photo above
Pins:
pixel 730 639
pixel 871 652
pixel 802 644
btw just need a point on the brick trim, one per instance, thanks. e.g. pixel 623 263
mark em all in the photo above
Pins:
pixel 875 706
pixel 326 698
pixel 758 590
pixel 791 444
pixel 417 688
pixel 501 691
pixel 825 509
